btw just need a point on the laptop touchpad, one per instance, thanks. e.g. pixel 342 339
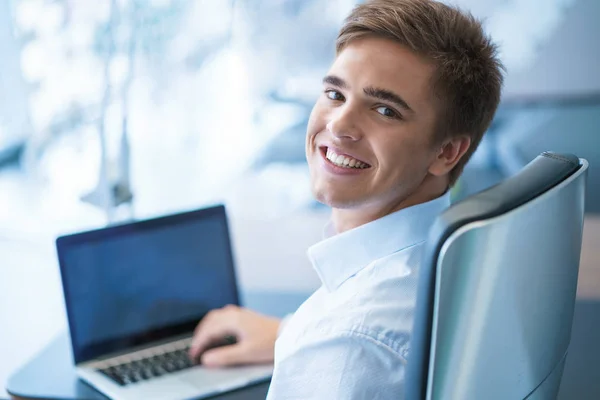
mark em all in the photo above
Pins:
pixel 225 378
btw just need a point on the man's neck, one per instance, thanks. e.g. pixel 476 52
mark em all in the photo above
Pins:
pixel 344 219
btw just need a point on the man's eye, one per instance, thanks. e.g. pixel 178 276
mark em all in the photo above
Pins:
pixel 334 95
pixel 387 112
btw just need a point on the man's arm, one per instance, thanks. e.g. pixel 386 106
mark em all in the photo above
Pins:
pixel 345 366
pixel 255 335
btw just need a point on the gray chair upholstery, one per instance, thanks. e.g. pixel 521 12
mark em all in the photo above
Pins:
pixel 497 288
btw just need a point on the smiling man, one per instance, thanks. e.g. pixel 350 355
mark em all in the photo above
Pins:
pixel 413 88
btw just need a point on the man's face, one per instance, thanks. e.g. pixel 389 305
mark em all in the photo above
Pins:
pixel 370 134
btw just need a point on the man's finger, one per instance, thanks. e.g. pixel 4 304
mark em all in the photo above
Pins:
pixel 226 356
pixel 207 333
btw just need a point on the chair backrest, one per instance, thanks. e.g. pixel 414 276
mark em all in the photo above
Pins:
pixel 497 288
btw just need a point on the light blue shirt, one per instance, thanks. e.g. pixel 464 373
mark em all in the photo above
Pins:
pixel 350 339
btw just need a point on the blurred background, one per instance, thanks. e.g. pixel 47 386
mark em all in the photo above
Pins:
pixel 120 109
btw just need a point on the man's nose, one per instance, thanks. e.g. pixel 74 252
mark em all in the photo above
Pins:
pixel 344 125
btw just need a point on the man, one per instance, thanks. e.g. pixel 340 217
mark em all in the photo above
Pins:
pixel 414 86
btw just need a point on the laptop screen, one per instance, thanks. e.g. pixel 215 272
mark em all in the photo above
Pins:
pixel 136 283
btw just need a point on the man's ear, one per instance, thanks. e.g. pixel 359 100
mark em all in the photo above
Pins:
pixel 449 155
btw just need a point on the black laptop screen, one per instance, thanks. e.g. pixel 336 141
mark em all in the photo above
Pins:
pixel 136 283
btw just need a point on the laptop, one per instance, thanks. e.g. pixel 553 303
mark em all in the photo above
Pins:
pixel 134 294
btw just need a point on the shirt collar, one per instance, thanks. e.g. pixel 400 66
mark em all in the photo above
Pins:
pixel 339 257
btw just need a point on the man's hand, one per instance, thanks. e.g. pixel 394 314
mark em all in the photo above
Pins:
pixel 255 335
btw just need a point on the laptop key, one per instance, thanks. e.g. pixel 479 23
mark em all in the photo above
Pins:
pixel 112 375
pixel 127 380
pixel 137 376
pixel 170 367
pixel 146 373
pixel 180 364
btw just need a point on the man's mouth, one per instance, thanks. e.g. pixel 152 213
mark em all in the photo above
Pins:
pixel 343 160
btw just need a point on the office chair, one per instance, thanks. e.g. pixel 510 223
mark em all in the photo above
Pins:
pixel 497 288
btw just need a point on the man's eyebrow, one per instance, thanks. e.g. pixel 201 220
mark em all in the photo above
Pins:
pixel 387 95
pixel 335 81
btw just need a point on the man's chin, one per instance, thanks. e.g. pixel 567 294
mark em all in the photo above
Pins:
pixel 337 199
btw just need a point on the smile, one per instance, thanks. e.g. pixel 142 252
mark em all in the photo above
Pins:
pixel 344 161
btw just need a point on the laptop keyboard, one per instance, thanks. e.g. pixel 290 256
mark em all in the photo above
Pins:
pixel 150 367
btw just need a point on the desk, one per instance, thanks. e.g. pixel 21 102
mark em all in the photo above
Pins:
pixel 588 285
pixel 50 375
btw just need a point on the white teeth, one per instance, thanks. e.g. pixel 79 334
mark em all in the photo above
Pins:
pixel 343 161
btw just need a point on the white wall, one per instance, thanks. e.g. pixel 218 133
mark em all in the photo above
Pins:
pixel 549 46
pixel 570 60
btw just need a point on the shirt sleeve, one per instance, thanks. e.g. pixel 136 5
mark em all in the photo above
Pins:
pixel 345 366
